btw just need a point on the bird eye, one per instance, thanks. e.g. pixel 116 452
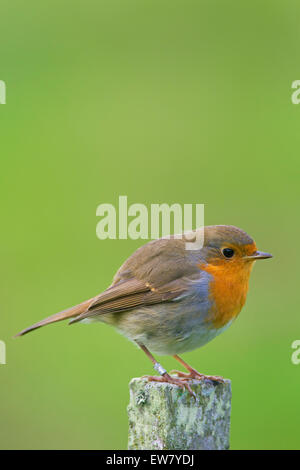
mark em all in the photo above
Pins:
pixel 228 252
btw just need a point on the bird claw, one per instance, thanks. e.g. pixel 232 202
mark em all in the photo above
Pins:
pixel 193 374
pixel 166 378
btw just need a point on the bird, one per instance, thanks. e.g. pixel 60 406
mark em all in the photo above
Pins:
pixel 168 299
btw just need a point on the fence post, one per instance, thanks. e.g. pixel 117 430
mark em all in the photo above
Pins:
pixel 164 417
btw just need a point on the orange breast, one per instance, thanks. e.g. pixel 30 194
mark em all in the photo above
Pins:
pixel 228 290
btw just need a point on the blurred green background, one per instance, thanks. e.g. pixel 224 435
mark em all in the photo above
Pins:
pixel 162 101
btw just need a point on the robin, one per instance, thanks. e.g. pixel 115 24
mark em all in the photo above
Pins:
pixel 169 300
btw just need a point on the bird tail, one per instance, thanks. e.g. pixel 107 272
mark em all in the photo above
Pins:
pixel 69 313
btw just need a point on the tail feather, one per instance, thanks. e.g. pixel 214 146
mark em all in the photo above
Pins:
pixel 70 312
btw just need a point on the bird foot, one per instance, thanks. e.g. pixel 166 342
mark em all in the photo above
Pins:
pixel 194 374
pixel 166 378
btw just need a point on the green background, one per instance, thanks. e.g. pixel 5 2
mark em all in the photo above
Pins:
pixel 162 101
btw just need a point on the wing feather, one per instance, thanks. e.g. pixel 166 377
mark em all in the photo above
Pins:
pixel 133 299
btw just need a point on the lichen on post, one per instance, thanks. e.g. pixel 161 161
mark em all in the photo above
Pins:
pixel 164 417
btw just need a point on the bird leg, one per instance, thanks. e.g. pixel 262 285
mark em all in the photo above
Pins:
pixel 164 376
pixel 193 373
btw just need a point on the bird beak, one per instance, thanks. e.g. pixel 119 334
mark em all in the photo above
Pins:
pixel 259 255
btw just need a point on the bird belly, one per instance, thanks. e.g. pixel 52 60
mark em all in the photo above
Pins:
pixel 169 344
pixel 201 336
pixel 168 329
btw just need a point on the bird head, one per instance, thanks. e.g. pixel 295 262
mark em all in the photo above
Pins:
pixel 230 246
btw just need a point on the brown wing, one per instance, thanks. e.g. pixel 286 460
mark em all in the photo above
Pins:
pixel 156 272
pixel 130 294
